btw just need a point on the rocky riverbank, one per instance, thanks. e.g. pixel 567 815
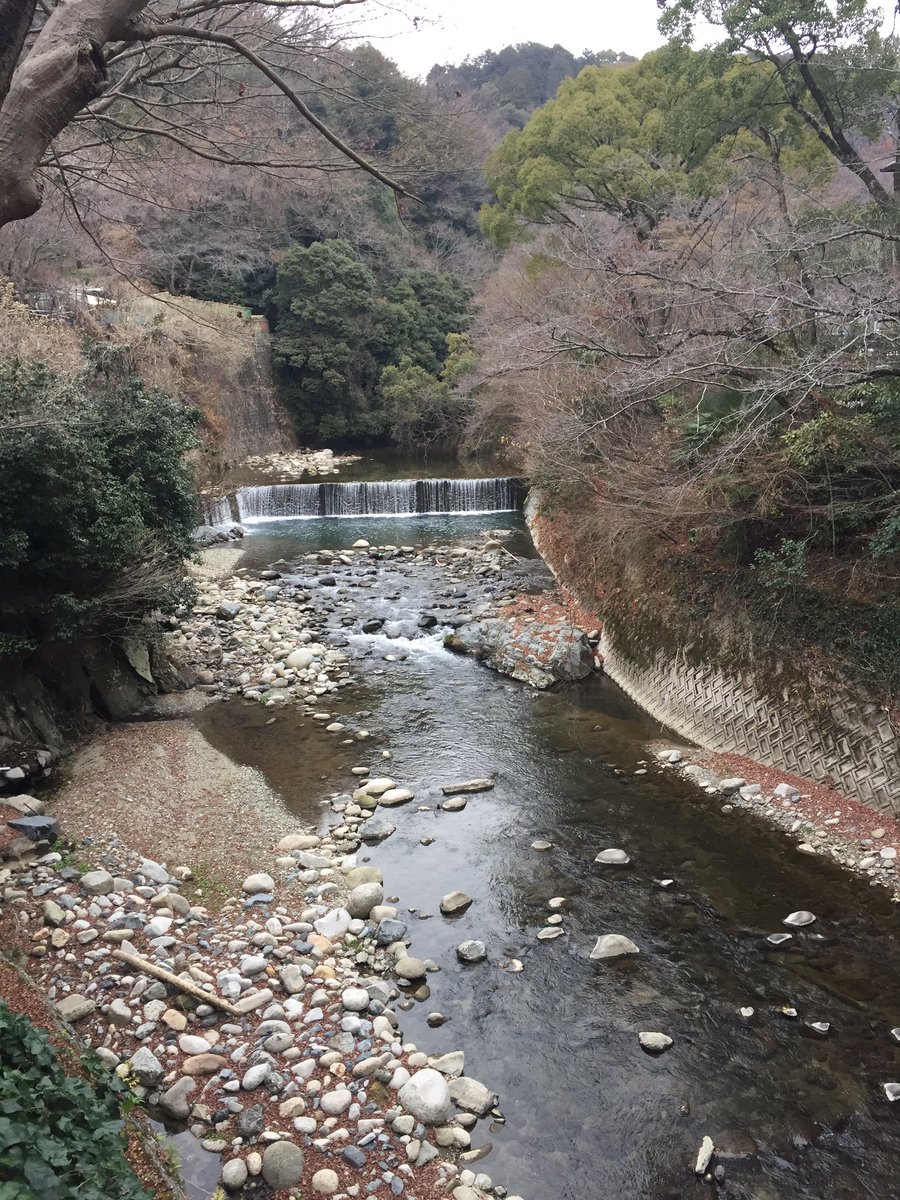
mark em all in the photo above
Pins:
pixel 249 976
pixel 255 634
pixel 267 1028
pixel 820 820
pixel 293 464
pixel 263 1016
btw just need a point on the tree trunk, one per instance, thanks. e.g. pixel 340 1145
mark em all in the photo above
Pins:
pixel 15 21
pixel 63 71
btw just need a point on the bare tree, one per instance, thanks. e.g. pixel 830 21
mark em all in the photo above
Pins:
pixel 688 383
pixel 77 76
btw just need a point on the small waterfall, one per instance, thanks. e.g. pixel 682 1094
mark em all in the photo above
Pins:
pixel 400 497
pixel 218 512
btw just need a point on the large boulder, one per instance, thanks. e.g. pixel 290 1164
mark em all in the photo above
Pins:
pixel 540 655
pixel 426 1096
pixel 363 899
pixel 282 1165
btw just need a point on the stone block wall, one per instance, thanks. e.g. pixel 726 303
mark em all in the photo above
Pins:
pixel 849 741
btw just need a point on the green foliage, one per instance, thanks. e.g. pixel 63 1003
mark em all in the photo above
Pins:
pixel 783 568
pixel 422 308
pixel 517 79
pixel 886 540
pixel 61 1138
pixel 96 502
pixel 421 408
pixel 324 340
pixel 828 437
pixel 837 72
pixel 631 140
pixel 337 330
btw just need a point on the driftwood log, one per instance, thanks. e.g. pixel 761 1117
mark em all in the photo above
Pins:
pixel 186 985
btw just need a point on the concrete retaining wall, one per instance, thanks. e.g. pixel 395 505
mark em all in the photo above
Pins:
pixel 849 740
pixel 836 732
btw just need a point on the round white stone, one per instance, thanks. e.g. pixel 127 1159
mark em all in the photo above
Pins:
pixel 355 999
pixel 258 883
pixel 615 858
pixel 326 1182
pixel 426 1096
pixel 336 1102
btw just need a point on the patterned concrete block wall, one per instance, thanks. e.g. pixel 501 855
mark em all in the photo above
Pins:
pixel 847 739
pixel 853 743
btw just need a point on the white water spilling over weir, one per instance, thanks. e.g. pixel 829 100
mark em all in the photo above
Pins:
pixel 400 497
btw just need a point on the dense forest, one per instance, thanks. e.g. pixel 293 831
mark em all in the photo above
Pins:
pixel 665 290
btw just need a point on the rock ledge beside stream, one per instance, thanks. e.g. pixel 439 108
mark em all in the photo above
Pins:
pixel 534 653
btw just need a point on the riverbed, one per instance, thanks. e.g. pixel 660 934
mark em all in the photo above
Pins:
pixel 588 1114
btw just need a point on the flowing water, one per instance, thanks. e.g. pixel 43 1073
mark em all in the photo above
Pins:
pixel 589 1115
pixel 399 497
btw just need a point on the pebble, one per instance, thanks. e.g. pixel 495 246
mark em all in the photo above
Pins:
pixel 471 951
pixel 410 968
pixel 655 1043
pixel 426 1096
pixel 234 1174
pixel 254 884
pixel 613 945
pixel 616 858
pixel 799 918
pixel 455 902
pixel 254 1076
pixel 355 999
pixel 325 1182
pixel 282 1165
pixel 704 1156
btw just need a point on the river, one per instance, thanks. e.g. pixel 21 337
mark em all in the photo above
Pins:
pixel 588 1114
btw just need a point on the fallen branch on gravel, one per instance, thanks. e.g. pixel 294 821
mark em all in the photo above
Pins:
pixel 186 985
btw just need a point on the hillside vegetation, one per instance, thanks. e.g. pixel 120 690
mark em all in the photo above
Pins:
pixel 96 495
pixel 667 291
pixel 692 340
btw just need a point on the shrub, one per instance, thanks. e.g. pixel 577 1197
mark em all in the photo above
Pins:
pixel 61 1137
pixel 96 503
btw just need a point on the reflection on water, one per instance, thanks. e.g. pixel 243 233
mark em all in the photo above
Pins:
pixel 590 1115
pixel 271 540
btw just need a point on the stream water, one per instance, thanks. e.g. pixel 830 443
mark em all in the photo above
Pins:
pixel 589 1115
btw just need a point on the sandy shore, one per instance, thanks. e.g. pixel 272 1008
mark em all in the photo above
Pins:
pixel 163 790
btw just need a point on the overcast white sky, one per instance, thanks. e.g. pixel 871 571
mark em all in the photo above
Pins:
pixel 451 30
